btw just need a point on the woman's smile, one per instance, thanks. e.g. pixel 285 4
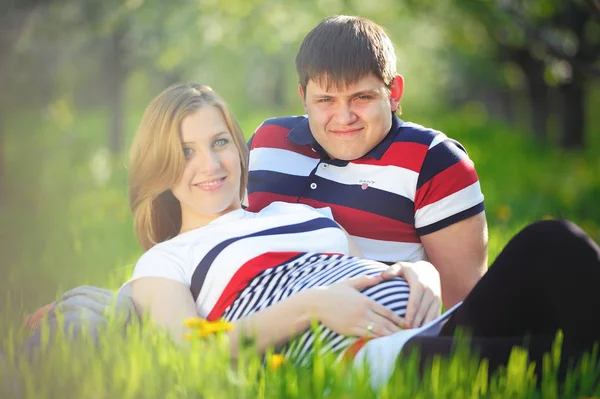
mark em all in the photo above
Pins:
pixel 211 185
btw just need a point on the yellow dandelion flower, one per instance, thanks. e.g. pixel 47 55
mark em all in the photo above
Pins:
pixel 275 361
pixel 203 333
pixel 214 327
pixel 222 325
pixel 195 322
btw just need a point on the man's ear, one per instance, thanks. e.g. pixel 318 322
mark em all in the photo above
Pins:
pixel 302 96
pixel 396 92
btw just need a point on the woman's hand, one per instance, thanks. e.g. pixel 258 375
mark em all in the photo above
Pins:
pixel 343 309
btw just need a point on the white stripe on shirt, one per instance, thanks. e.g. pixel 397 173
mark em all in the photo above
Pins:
pixel 450 205
pixel 390 251
pixel 282 161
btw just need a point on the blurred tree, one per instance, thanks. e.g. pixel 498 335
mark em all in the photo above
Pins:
pixel 556 45
pixel 568 33
pixel 14 20
pixel 116 74
pixel 245 49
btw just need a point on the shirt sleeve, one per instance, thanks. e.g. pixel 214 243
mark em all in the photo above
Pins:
pixel 160 262
pixel 448 188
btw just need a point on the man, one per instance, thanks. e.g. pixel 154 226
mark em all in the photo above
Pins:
pixel 403 192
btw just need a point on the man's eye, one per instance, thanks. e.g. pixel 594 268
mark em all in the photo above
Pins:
pixel 187 152
pixel 221 142
pixel 324 100
pixel 364 98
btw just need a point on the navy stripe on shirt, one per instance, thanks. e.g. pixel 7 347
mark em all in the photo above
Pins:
pixel 371 200
pixel 457 217
pixel 201 271
pixel 288 122
pixel 410 134
pixel 265 180
pixel 438 159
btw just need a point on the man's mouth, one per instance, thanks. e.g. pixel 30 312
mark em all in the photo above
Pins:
pixel 347 132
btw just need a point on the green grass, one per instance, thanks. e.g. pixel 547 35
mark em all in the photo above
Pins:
pixel 139 363
pixel 65 225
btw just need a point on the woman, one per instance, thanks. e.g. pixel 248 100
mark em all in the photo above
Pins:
pixel 272 272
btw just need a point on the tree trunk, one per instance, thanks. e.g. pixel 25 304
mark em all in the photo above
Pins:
pixel 116 79
pixel 538 93
pixel 573 112
pixel 498 101
pixel 3 188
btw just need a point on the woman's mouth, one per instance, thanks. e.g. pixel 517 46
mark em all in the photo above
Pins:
pixel 211 185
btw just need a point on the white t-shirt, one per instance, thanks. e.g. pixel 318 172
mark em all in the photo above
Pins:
pixel 240 244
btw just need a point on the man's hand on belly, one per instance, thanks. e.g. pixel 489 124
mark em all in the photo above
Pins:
pixel 425 298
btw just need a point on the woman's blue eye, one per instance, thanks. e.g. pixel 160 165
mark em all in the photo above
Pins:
pixel 187 152
pixel 221 142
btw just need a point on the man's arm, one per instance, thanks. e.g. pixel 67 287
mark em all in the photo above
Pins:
pixel 459 253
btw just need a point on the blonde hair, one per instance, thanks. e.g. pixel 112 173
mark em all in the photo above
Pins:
pixel 157 162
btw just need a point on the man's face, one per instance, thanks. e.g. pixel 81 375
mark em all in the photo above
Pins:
pixel 351 121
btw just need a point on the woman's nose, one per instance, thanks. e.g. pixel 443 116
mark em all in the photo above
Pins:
pixel 208 162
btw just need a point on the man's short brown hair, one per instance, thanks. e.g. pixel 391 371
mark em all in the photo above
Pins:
pixel 341 50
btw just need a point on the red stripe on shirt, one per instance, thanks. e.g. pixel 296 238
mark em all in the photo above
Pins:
pixel 242 277
pixel 405 155
pixel 351 351
pixel 368 225
pixel 257 201
pixel 273 136
pixel 451 180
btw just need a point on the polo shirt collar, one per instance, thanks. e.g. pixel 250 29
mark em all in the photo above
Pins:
pixel 302 135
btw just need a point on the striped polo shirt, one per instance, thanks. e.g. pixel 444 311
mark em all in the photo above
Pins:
pixel 414 182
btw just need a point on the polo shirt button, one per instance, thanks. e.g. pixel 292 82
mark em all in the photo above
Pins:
pixel 325 165
pixel 313 150
pixel 313 185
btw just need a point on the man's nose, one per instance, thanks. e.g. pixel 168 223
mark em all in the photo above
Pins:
pixel 345 115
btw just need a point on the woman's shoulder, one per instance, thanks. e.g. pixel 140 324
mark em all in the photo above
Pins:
pixel 173 250
pixel 279 208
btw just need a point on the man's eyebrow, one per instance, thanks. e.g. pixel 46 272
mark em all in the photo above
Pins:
pixel 358 93
pixel 367 91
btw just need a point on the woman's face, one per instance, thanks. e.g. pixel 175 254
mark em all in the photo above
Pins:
pixel 210 185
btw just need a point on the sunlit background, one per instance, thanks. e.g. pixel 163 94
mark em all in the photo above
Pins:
pixel 517 82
